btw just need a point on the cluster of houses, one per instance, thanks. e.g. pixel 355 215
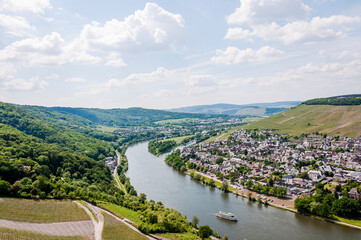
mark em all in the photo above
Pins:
pixel 301 162
pixel 111 162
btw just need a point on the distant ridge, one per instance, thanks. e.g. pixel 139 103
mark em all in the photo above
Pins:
pixel 343 100
pixel 252 110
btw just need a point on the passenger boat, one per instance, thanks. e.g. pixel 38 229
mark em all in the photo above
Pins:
pixel 228 216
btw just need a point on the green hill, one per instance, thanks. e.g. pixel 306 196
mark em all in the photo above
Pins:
pixel 343 100
pixel 333 120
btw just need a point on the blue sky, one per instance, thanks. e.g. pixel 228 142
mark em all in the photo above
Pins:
pixel 165 54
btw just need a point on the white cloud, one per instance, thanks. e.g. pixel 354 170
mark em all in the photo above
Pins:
pixel 75 79
pixel 150 29
pixel 298 31
pixel 233 55
pixel 15 25
pixel 263 11
pixel 7 70
pixel 201 81
pixel 48 50
pixel 115 61
pixel 346 54
pixel 20 84
pixel 160 74
pixel 310 74
pixel 35 6
pixel 53 76
pixel 162 93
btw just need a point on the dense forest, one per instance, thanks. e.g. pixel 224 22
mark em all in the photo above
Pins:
pixel 339 100
pixel 159 147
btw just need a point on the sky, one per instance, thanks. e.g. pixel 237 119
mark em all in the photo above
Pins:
pixel 166 54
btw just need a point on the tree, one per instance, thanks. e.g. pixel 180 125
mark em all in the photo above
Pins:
pixel 249 183
pixel 346 207
pixel 205 231
pixel 224 186
pixel 249 196
pixel 211 183
pixel 195 221
pixel 4 188
pixel 219 175
pixel 219 160
pixel 270 182
pixel 302 205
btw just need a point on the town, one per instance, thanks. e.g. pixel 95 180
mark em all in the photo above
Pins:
pixel 248 158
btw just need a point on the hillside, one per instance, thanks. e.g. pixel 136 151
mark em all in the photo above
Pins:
pixel 125 117
pixel 249 110
pixel 343 100
pixel 333 120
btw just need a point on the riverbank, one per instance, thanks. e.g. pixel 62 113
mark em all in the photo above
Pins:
pixel 284 204
pixel 151 175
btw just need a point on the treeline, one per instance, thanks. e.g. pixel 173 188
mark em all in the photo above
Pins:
pixel 326 204
pixel 341 100
pixel 159 147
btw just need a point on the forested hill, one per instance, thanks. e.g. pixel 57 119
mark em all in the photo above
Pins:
pixel 125 117
pixel 42 159
pixel 354 99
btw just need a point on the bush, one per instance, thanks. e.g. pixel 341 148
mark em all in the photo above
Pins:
pixel 205 231
pixel 4 188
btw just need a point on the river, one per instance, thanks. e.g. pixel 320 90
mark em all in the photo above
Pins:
pixel 150 175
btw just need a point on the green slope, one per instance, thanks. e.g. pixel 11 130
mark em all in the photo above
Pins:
pixel 333 120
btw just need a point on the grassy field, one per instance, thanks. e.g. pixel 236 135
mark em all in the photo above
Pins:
pixel 12 234
pixel 333 120
pixel 113 230
pixel 181 120
pixel 179 236
pixel 350 221
pixel 122 212
pixel 106 128
pixel 178 139
pixel 44 211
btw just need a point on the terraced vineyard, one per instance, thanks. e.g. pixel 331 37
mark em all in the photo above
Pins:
pixel 333 120
pixel 44 211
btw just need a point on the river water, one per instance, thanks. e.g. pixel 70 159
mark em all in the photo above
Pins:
pixel 150 175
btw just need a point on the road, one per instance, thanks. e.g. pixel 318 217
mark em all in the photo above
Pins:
pixel 115 174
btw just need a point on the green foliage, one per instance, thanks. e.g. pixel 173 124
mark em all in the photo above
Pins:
pixel 175 160
pixel 324 203
pixel 43 160
pixel 340 100
pixel 346 207
pixel 219 160
pixel 4 188
pixel 160 147
pixel 205 231
pixel 224 186
pixel 195 221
